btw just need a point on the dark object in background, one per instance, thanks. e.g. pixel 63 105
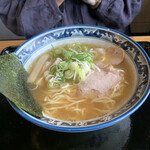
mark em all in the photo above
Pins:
pixel 146 46
pixel 8 50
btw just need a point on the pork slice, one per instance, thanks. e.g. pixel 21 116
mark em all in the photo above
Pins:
pixel 114 56
pixel 99 83
pixel 117 55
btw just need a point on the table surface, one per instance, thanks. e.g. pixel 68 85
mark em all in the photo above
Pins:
pixel 133 133
pixel 4 44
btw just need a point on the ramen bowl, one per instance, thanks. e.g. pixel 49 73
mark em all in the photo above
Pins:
pixel 41 43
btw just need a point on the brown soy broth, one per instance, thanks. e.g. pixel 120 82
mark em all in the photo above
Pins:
pixel 89 108
pixel 130 77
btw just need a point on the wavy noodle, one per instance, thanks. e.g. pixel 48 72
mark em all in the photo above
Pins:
pixel 59 95
pixel 65 99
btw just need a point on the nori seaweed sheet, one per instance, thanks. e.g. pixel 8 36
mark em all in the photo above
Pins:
pixel 13 84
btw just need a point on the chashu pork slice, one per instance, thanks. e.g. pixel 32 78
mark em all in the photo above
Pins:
pixel 99 83
pixel 115 55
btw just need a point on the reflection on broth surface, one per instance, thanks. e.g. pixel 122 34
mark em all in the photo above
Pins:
pixel 78 82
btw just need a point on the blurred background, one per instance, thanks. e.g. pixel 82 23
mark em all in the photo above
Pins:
pixel 140 25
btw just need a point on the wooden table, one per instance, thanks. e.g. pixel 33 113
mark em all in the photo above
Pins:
pixel 4 44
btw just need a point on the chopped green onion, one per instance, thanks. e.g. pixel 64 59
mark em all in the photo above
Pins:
pixel 86 67
pixel 35 82
pixel 82 74
pixel 69 74
pixel 72 63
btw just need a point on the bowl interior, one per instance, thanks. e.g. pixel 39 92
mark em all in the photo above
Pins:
pixel 41 43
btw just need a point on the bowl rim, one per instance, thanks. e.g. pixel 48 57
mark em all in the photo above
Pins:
pixel 94 26
pixel 35 120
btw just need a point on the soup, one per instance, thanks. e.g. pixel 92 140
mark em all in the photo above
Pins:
pixel 81 81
